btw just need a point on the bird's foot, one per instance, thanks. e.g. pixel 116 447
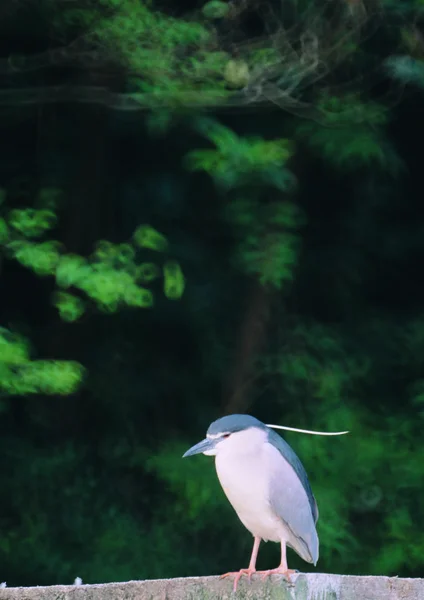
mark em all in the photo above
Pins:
pixel 278 571
pixel 237 576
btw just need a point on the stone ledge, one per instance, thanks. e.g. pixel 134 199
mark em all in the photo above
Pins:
pixel 311 586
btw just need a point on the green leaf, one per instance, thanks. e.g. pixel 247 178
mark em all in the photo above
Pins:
pixel 147 237
pixel 31 222
pixel 41 258
pixel 215 9
pixel 271 258
pixel 51 377
pixel 19 375
pixel 71 270
pixel 174 282
pixel 13 349
pixel 147 272
pixel 70 307
pixel 138 297
pixel 240 161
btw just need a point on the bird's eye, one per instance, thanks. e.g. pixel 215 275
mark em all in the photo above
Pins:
pixel 226 435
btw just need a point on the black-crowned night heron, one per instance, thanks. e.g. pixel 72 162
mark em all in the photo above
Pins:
pixel 267 486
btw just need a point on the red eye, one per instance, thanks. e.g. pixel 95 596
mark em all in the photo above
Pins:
pixel 226 435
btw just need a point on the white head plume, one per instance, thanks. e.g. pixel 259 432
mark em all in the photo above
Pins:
pixel 307 430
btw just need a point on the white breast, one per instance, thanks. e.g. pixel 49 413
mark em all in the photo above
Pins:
pixel 242 471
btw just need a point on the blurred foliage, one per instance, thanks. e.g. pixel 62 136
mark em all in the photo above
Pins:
pixel 169 60
pixel 351 134
pixel 110 278
pixel 241 161
pixel 406 69
pixel 22 376
pixel 248 166
pixel 305 204
pixel 209 55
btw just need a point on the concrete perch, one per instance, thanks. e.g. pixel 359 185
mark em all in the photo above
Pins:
pixel 310 586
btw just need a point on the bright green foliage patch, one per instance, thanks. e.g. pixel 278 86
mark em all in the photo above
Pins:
pixel 111 278
pixel 147 237
pixel 173 280
pixel 20 375
pixel 42 258
pixel 31 222
pixel 175 60
pixel 240 161
pixel 70 307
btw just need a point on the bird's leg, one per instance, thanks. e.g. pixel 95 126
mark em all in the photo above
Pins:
pixel 282 569
pixel 251 568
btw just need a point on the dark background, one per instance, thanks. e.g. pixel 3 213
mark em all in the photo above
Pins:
pixel 92 483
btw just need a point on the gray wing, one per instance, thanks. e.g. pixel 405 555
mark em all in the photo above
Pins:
pixel 292 499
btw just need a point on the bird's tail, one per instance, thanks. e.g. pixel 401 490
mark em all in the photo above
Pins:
pixel 308 549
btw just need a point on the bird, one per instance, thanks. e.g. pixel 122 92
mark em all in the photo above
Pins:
pixel 267 486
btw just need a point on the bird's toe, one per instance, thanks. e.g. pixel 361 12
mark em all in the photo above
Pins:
pixel 279 571
pixel 237 576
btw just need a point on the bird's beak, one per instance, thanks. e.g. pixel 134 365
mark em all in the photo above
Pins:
pixel 206 446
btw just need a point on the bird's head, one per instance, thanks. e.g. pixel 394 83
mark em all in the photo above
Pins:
pixel 234 433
